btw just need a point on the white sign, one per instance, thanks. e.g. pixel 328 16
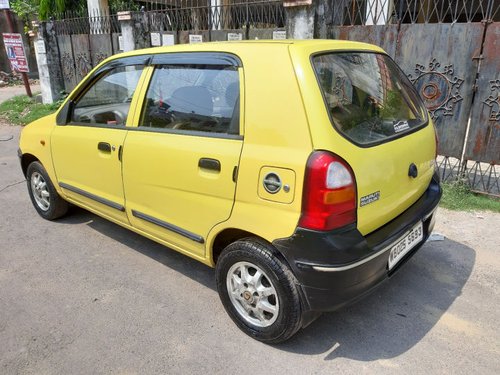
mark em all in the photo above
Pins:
pixel 296 3
pixel 168 39
pixel 279 35
pixel 234 36
pixel 155 39
pixel 193 38
pixel 40 46
pixel 120 42
pixel 4 4
pixel 124 16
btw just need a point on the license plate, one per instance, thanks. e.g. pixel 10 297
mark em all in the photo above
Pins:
pixel 405 244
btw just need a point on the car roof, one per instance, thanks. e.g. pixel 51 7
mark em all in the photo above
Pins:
pixel 235 46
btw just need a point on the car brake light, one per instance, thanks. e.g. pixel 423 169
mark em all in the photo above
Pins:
pixel 329 197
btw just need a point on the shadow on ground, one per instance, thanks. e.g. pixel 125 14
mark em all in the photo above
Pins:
pixel 381 326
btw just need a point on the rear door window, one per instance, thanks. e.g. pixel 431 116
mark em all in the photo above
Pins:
pixel 368 98
pixel 201 98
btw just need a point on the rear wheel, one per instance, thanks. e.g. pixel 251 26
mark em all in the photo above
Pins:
pixel 44 196
pixel 258 291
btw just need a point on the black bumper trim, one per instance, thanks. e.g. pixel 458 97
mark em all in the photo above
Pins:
pixel 356 263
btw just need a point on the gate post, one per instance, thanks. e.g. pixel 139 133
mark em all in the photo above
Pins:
pixel 135 30
pixel 49 63
pixel 300 18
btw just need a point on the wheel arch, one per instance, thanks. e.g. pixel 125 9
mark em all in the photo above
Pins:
pixel 26 160
pixel 230 235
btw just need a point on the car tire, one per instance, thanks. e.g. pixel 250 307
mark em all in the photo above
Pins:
pixel 47 202
pixel 259 291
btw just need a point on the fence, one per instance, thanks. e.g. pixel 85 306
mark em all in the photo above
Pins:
pixel 84 40
pixel 448 48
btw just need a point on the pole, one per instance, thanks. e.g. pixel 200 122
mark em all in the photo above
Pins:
pixel 12 29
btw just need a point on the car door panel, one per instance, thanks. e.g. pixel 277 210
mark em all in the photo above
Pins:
pixel 169 194
pixel 87 148
pixel 179 164
pixel 88 175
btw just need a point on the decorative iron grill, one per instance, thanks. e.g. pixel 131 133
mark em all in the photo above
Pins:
pixel 94 22
pixel 381 12
pixel 205 16
pixel 480 177
pixel 181 15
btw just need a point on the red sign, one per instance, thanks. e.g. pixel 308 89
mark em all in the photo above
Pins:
pixel 15 52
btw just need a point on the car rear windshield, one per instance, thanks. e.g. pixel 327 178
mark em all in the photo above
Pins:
pixel 368 97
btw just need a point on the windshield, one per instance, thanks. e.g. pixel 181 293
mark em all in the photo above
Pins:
pixel 368 97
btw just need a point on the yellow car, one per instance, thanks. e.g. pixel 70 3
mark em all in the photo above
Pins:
pixel 303 171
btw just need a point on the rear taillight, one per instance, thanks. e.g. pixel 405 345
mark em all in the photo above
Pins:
pixel 329 199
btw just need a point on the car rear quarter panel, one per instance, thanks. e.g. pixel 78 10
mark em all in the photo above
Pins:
pixel 368 163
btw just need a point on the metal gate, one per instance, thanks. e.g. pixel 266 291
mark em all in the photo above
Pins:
pixel 83 42
pixel 449 50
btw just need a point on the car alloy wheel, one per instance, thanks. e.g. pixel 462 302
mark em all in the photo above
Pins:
pixel 40 191
pixel 252 294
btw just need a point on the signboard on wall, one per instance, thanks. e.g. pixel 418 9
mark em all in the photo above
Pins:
pixel 195 38
pixel 168 39
pixel 279 35
pixel 4 4
pixel 15 52
pixel 296 3
pixel 234 36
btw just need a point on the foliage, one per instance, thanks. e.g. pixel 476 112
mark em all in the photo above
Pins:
pixel 24 8
pixel 21 110
pixel 457 196
pixel 45 9
pixel 121 5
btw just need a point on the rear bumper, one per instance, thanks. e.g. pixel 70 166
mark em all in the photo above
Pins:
pixel 338 267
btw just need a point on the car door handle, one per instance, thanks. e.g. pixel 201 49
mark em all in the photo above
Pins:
pixel 207 163
pixel 104 147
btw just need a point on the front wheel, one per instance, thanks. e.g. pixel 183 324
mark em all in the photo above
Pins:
pixel 258 291
pixel 44 196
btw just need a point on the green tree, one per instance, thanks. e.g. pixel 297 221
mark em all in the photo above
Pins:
pixel 45 8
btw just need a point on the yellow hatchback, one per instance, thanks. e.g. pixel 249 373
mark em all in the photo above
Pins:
pixel 303 171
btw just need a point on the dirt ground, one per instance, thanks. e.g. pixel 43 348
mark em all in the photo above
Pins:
pixel 81 295
pixel 11 91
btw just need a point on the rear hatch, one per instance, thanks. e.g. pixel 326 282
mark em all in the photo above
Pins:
pixel 381 129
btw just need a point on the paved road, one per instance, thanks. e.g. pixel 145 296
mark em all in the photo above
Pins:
pixel 82 295
pixel 11 91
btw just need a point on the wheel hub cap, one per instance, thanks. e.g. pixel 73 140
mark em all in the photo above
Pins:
pixel 248 296
pixel 40 191
pixel 252 294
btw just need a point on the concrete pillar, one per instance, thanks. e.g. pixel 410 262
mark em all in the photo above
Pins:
pixel 310 21
pixel 300 21
pixel 49 63
pixel 135 30
pixel 324 19
pixel 97 6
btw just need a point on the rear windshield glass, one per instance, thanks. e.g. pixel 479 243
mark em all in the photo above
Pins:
pixel 368 97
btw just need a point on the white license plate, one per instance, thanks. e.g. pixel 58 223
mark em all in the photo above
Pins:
pixel 405 244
